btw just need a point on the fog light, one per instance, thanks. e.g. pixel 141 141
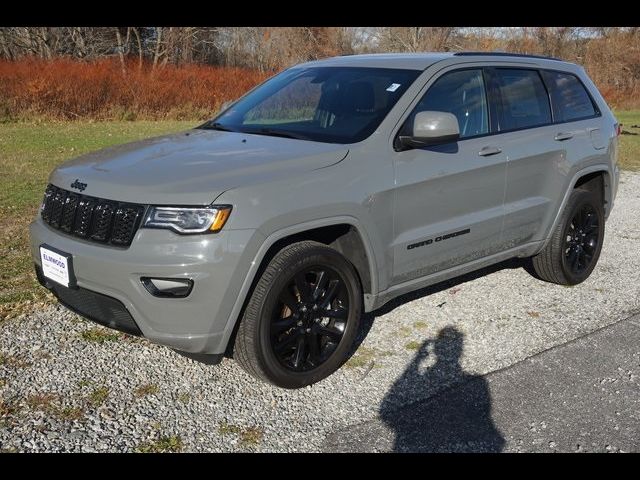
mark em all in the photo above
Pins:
pixel 168 287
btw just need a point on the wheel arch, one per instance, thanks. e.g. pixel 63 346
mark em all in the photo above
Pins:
pixel 344 233
pixel 587 177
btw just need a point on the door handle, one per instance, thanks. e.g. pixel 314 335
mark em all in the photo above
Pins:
pixel 487 151
pixel 563 136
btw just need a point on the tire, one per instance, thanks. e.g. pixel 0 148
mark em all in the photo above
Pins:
pixel 281 338
pixel 576 240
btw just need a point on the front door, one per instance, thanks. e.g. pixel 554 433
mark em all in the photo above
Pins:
pixel 449 198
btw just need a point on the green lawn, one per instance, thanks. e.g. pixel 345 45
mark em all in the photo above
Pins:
pixel 629 158
pixel 29 151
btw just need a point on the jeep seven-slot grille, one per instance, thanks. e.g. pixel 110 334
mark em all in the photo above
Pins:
pixel 91 218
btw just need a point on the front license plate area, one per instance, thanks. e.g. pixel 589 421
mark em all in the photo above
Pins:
pixel 57 266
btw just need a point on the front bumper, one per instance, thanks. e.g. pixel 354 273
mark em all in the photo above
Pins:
pixel 199 323
pixel 100 308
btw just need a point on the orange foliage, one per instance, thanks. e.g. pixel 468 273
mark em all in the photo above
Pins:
pixel 68 89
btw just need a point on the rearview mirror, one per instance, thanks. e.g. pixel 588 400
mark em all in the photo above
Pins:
pixel 431 128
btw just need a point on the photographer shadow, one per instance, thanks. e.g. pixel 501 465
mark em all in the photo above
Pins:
pixel 457 419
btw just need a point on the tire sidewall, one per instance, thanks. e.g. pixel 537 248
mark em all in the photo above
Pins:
pixel 579 199
pixel 319 256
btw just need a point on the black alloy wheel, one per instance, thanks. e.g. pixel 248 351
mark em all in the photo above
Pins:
pixel 581 240
pixel 301 321
pixel 309 319
pixel 572 251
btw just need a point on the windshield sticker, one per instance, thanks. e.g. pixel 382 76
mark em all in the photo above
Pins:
pixel 393 87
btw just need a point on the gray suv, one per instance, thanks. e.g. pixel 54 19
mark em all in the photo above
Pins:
pixel 325 192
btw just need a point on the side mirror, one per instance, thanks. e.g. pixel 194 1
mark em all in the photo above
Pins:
pixel 431 128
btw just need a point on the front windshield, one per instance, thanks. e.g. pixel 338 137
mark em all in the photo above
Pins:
pixel 324 104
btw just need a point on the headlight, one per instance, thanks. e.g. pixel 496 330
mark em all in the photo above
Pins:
pixel 188 219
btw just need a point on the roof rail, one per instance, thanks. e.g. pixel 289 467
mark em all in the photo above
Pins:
pixel 504 54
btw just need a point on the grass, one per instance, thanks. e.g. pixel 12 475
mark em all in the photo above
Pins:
pixel 248 436
pixel 99 335
pixel 50 403
pixel 413 345
pixel 165 444
pixel 146 389
pixel 184 398
pixel 404 331
pixel 98 396
pixel 7 408
pixel 364 356
pixel 30 150
pixel 13 361
pixel 28 153
pixel 229 428
pixel 629 155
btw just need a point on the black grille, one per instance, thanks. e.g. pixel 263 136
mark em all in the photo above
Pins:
pixel 95 219
pixel 100 308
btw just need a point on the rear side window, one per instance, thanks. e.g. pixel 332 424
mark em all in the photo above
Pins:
pixel 569 97
pixel 522 99
pixel 461 93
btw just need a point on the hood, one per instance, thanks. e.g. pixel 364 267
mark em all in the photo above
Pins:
pixel 192 168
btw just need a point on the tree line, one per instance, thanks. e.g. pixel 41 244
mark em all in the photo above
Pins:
pixel 611 55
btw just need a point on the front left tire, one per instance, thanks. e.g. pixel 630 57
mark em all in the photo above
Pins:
pixel 302 318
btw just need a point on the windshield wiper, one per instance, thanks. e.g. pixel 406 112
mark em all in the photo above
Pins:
pixel 277 133
pixel 216 126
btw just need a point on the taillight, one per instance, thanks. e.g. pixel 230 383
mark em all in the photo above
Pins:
pixel 618 129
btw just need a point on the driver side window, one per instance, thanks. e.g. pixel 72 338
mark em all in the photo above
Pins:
pixel 461 93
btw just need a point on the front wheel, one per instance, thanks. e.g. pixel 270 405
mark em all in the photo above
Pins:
pixel 302 317
pixel 574 248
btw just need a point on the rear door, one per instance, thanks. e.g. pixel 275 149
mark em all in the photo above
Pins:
pixel 541 142
pixel 525 133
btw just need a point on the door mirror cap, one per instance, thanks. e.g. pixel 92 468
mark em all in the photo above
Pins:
pixel 432 128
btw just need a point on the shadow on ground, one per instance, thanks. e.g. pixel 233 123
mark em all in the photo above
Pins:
pixel 420 408
pixel 461 423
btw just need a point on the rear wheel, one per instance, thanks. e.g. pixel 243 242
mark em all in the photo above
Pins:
pixel 574 248
pixel 302 317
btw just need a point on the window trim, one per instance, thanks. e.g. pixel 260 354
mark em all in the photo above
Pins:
pixel 489 93
pixel 596 109
pixel 399 126
pixel 497 97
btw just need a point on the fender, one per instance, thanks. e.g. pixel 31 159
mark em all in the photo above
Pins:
pixel 600 167
pixel 270 240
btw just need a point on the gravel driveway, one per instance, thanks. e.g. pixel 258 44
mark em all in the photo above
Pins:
pixel 68 385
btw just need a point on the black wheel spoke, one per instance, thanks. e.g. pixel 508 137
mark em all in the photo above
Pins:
pixel 303 287
pixel 339 313
pixel 289 300
pixel 321 283
pixel 575 264
pixel 330 294
pixel 281 325
pixel 301 350
pixel 314 349
pixel 288 342
pixel 332 333
pixel 591 223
